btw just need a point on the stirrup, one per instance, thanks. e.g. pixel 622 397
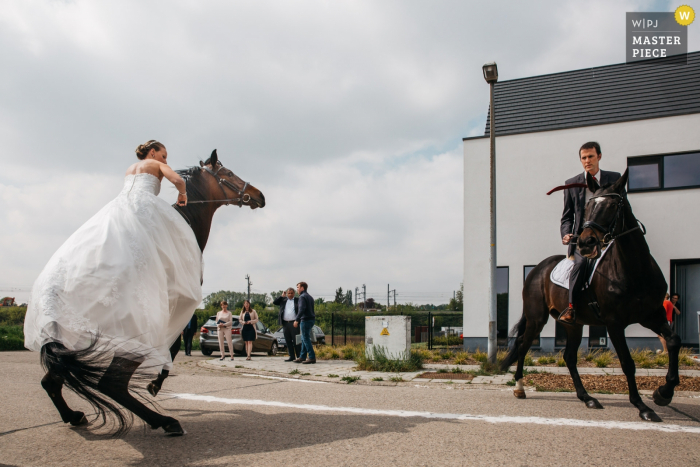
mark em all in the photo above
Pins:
pixel 573 316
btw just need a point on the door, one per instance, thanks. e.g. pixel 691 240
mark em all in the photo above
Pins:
pixel 262 342
pixel 686 282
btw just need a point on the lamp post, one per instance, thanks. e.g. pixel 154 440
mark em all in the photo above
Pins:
pixel 491 76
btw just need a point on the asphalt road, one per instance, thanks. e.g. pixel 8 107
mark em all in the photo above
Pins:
pixel 248 421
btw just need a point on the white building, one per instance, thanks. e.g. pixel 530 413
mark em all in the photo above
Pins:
pixel 645 117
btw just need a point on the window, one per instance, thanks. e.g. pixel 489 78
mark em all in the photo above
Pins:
pixel 664 172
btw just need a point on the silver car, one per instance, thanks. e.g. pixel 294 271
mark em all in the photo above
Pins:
pixel 209 338
pixel 317 337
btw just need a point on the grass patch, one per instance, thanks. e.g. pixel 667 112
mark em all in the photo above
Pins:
pixel 546 360
pixel 378 378
pixel 684 357
pixel 529 361
pixel 11 338
pixel 332 375
pixel 305 374
pixel 381 361
pixel 294 372
pixel 461 358
pixel 603 359
pixel 560 360
pixel 456 370
pixel 239 366
pixel 396 379
pixel 442 370
pixel 350 379
pixel 480 356
pixel 510 383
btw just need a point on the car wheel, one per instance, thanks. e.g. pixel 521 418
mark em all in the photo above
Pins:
pixel 273 349
pixel 207 352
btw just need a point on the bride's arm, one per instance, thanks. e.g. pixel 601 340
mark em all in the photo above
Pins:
pixel 176 180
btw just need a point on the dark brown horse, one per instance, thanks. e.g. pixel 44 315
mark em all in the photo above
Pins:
pixel 103 380
pixel 628 287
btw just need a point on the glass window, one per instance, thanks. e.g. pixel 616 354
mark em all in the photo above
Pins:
pixel 642 177
pixel 260 326
pixel 682 170
pixel 526 271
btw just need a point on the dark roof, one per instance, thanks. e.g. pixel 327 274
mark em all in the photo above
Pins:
pixel 595 96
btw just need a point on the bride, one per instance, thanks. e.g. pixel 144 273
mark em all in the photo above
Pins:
pixel 129 278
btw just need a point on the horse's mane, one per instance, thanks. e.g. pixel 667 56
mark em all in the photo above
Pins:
pixel 195 214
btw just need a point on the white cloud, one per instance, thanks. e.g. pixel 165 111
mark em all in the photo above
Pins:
pixel 348 115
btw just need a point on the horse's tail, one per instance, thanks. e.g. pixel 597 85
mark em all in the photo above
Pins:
pixel 83 372
pixel 517 332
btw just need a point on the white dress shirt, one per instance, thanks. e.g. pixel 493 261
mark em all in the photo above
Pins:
pixel 289 313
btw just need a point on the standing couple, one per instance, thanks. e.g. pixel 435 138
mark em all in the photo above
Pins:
pixel 297 316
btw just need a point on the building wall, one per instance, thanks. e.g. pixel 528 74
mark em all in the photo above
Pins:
pixel 528 166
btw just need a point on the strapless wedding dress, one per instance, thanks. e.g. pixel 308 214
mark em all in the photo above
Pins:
pixel 131 275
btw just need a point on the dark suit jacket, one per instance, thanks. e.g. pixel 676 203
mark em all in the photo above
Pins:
pixel 282 302
pixel 192 329
pixel 575 202
pixel 306 307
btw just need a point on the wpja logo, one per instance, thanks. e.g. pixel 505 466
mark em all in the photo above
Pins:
pixel 661 38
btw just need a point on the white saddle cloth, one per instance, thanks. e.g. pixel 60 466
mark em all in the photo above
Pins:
pixel 561 272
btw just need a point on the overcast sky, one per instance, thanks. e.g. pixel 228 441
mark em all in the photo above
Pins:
pixel 348 116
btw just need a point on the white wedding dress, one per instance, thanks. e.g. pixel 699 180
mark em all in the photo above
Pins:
pixel 130 275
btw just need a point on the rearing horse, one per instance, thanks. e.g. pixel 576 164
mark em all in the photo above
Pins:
pixel 629 288
pixel 104 380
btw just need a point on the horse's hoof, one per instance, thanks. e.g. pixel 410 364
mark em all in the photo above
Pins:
pixel 79 419
pixel 519 393
pixel 660 400
pixel 153 389
pixel 593 404
pixel 649 416
pixel 173 429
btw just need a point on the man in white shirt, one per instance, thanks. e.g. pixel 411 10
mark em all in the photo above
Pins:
pixel 575 199
pixel 288 304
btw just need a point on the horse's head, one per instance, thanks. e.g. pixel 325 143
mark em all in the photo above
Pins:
pixel 603 217
pixel 226 187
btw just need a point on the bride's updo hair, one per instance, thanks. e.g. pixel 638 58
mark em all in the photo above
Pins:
pixel 142 150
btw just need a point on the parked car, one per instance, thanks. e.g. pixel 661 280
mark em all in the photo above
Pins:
pixel 320 337
pixel 209 338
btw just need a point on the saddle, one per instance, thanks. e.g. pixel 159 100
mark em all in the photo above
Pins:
pixel 561 272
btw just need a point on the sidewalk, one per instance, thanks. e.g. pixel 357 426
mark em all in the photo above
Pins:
pixel 276 366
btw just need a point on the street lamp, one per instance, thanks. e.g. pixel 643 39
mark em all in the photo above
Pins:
pixel 491 76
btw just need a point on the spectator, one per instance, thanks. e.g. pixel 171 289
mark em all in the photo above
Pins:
pixel 248 317
pixel 305 319
pixel 189 333
pixel 224 323
pixel 288 311
pixel 668 306
pixel 677 305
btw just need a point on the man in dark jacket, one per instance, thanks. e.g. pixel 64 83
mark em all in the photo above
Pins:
pixel 288 304
pixel 189 333
pixel 575 200
pixel 305 319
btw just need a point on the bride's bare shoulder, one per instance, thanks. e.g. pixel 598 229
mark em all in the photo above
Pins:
pixel 148 166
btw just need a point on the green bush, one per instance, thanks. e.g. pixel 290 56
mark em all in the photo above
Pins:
pixel 381 361
pixel 12 315
pixel 11 338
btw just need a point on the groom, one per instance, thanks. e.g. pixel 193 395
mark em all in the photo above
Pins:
pixel 575 200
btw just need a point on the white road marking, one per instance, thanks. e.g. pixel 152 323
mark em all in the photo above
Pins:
pixel 283 379
pixel 449 416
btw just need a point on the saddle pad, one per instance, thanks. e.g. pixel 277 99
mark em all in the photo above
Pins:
pixel 561 272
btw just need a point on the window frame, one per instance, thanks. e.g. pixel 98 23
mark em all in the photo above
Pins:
pixel 659 159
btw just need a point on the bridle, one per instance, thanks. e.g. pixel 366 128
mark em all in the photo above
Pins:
pixel 244 198
pixel 608 231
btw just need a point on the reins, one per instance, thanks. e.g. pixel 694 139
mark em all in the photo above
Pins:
pixel 608 232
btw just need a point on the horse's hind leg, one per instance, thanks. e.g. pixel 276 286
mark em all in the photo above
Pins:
pixel 523 343
pixel 664 394
pixel 155 385
pixel 53 386
pixel 617 336
pixel 573 341
pixel 115 384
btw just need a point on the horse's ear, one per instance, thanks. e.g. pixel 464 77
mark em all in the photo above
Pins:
pixel 592 184
pixel 619 185
pixel 201 164
pixel 213 159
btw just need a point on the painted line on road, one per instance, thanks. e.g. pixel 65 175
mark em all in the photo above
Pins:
pixel 283 379
pixel 639 426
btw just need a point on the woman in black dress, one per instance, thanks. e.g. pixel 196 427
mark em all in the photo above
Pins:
pixel 248 317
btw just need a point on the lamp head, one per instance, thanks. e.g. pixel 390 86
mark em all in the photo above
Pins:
pixel 490 72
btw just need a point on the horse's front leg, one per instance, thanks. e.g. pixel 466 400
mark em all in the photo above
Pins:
pixel 155 386
pixel 573 341
pixel 664 394
pixel 617 336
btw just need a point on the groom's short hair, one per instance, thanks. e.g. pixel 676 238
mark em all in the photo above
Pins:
pixel 292 289
pixel 303 285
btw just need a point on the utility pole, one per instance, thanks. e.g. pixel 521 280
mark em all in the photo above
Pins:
pixel 394 292
pixel 388 292
pixel 247 278
pixel 357 291
pixel 364 298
